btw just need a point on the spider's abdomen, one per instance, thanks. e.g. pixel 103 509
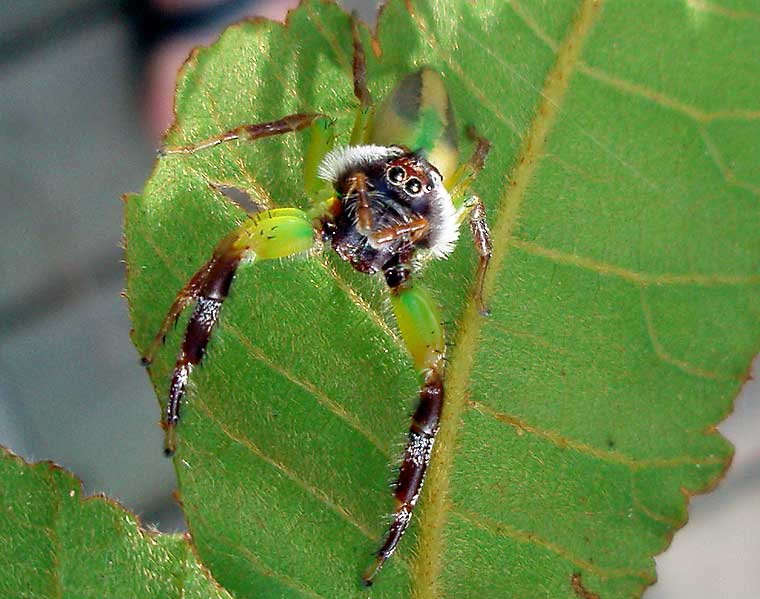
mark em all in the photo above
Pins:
pixel 392 203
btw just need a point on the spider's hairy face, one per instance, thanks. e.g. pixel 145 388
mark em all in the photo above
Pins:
pixel 401 188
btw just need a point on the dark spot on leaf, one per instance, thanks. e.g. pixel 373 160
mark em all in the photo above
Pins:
pixel 238 196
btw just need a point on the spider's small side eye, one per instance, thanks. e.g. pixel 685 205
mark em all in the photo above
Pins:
pixel 396 175
pixel 413 186
pixel 429 187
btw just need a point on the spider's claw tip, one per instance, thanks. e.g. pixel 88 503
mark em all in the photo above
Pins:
pixel 145 361
pixel 485 311
pixel 368 577
pixel 170 440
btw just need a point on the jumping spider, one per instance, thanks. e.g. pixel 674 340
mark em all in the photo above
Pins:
pixel 382 207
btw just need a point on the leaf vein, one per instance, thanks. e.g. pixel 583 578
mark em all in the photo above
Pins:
pixel 727 174
pixel 315 492
pixel 527 18
pixel 666 101
pixel 671 360
pixel 651 514
pixel 330 39
pixel 322 399
pixel 358 300
pixel 641 278
pixel 238 549
pixel 429 562
pixel 606 455
pixel 505 530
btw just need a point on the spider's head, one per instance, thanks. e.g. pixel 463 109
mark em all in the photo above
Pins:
pixel 394 171
pixel 401 186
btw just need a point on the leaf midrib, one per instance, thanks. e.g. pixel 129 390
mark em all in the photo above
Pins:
pixel 427 565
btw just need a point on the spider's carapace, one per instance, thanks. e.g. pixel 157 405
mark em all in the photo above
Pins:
pixel 391 199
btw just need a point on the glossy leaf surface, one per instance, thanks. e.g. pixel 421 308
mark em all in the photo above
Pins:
pixel 625 298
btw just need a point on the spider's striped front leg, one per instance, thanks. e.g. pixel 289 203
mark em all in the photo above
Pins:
pixel 422 333
pixel 474 210
pixel 270 234
pixel 471 207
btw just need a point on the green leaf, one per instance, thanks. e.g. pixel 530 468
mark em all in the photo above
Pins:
pixel 625 297
pixel 55 543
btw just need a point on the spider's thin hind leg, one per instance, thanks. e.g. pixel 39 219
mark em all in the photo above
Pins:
pixel 287 124
pixel 422 333
pixel 364 113
pixel 471 208
pixel 270 234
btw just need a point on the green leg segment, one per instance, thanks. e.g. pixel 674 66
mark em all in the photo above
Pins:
pixel 274 234
pixel 420 327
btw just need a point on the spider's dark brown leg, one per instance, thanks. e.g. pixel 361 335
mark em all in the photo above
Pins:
pixel 421 330
pixel 270 234
pixel 290 123
pixel 185 297
pixel 217 277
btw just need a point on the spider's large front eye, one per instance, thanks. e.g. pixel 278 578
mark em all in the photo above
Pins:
pixel 413 186
pixel 396 175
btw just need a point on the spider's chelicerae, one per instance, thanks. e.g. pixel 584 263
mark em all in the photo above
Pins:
pixel 384 208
